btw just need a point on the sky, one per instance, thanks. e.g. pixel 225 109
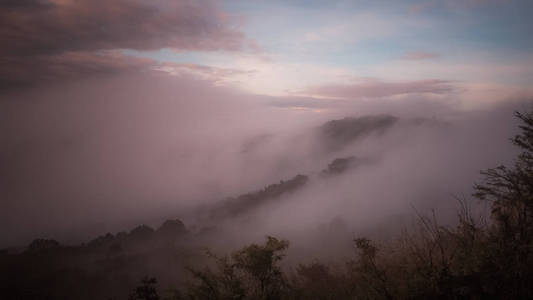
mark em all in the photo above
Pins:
pixel 116 112
pixel 303 47
pixel 279 48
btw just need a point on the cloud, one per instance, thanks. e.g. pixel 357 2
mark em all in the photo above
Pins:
pixel 102 25
pixel 312 37
pixel 105 154
pixel 56 38
pixel 147 136
pixel 217 75
pixel 419 55
pixel 372 88
pixel 452 5
pixel 20 72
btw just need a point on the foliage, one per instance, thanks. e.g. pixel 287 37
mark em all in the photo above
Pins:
pixel 40 245
pixel 510 193
pixel 250 273
pixel 146 291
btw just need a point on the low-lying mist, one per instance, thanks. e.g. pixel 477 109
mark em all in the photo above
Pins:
pixel 91 157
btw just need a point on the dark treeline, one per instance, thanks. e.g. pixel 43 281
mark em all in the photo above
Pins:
pixel 474 259
pixel 233 207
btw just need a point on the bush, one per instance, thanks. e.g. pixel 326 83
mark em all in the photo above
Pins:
pixel 250 273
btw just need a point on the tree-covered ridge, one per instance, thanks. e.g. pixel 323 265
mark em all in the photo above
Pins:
pixel 336 134
pixel 232 207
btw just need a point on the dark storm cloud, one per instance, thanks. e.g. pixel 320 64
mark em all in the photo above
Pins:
pixel 42 40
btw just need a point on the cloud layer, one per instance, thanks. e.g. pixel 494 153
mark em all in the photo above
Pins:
pixel 373 88
pixel 419 55
pixel 60 38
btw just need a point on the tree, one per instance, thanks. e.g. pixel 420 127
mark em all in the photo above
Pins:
pixel 510 190
pixel 42 245
pixel 510 193
pixel 250 273
pixel 146 291
pixel 260 263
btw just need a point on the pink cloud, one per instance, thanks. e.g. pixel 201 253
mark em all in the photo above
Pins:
pixel 117 24
pixel 419 7
pixel 43 40
pixel 214 74
pixel 68 66
pixel 418 55
pixel 379 89
pixel 454 5
pixel 23 71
